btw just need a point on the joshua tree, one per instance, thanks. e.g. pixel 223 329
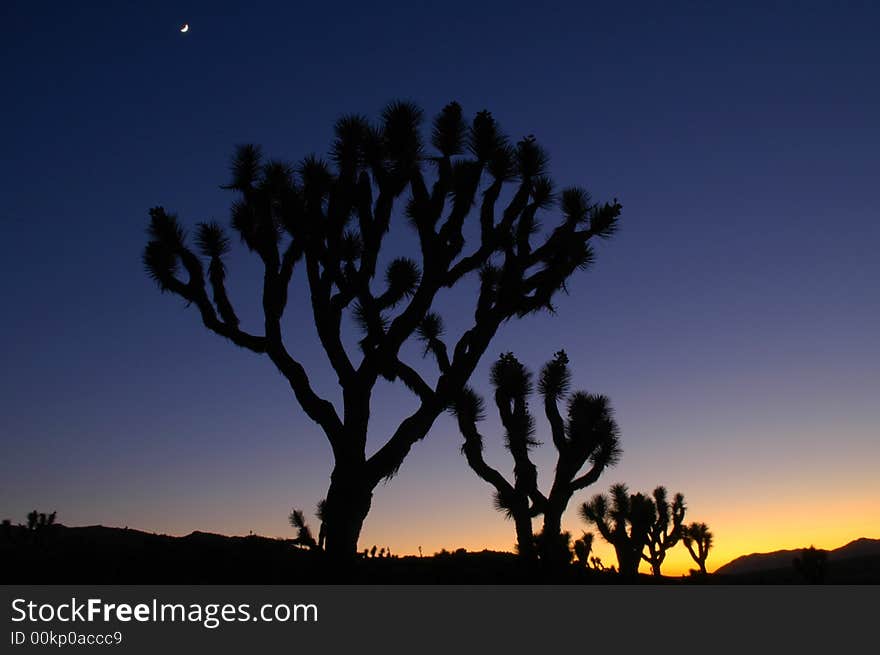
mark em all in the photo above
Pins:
pixel 626 524
pixel 304 532
pixel 665 529
pixel 698 534
pixel 811 565
pixel 304 535
pixel 332 218
pixel 588 434
pixel 39 520
pixel 596 564
pixel 582 548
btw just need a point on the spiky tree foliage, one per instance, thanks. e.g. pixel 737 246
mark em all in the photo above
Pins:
pixel 582 549
pixel 588 437
pixel 698 535
pixel 330 219
pixel 624 522
pixel 304 532
pixel 304 536
pixel 665 529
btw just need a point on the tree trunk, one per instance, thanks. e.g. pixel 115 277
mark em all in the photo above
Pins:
pixel 348 503
pixel 525 538
pixel 553 548
pixel 627 562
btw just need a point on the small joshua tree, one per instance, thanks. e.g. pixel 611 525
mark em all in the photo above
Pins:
pixel 304 535
pixel 331 219
pixel 811 565
pixel 698 534
pixel 624 522
pixel 587 435
pixel 582 549
pixel 304 532
pixel 666 528
pixel 40 520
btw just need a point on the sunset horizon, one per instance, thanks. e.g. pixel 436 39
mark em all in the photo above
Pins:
pixel 261 260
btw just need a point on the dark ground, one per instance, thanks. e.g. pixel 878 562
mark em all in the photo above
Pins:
pixel 100 555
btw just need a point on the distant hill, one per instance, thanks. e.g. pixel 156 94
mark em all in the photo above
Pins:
pixel 861 553
pixel 102 555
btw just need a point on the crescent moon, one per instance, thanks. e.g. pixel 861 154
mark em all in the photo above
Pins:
pixel 185 28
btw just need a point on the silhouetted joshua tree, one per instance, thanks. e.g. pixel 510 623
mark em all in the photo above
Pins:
pixel 665 529
pixel 304 532
pixel 625 523
pixel 811 565
pixel 697 534
pixel 39 520
pixel 588 434
pixel 582 549
pixel 333 220
pixel 304 535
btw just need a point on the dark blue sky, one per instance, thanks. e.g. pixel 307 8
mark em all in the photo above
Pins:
pixel 733 321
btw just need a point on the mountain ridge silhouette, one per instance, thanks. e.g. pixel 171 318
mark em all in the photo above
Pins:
pixel 777 559
pixel 109 555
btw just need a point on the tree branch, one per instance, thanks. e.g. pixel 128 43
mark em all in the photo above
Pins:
pixel 413 381
pixel 385 461
pixel 194 292
pixel 587 478
pixel 473 451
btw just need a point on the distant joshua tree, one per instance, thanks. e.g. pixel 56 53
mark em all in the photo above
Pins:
pixel 698 534
pixel 39 520
pixel 666 528
pixel 332 220
pixel 596 564
pixel 304 535
pixel 625 523
pixel 582 549
pixel 587 435
pixel 811 565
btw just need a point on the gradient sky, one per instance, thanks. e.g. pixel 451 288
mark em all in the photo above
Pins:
pixel 734 320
